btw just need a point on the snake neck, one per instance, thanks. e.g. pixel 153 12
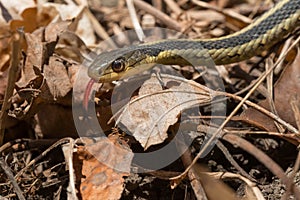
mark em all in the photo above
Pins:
pixel 269 29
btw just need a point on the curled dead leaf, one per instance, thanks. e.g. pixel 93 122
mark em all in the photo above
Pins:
pixel 149 115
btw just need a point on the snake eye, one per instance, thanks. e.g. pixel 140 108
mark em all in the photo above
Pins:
pixel 118 65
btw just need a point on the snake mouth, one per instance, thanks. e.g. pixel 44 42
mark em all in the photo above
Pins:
pixel 87 94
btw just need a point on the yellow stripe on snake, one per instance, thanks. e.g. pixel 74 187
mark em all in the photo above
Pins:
pixel 269 29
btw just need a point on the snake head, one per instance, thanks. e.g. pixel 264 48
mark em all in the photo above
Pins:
pixel 116 64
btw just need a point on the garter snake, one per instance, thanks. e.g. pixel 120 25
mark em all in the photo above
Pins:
pixel 269 29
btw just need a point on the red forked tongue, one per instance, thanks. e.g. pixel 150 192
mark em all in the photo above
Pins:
pixel 87 94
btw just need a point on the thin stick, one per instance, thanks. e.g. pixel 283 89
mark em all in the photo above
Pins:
pixel 136 24
pixel 186 158
pixel 229 157
pixel 270 97
pixel 249 183
pixel 206 92
pixel 173 6
pixel 100 31
pixel 12 77
pixel 157 4
pixel 11 178
pixel 266 112
pixel 218 131
pixel 171 23
pixel 69 155
pixel 263 158
pixel 56 144
pixel 295 107
pixel 231 14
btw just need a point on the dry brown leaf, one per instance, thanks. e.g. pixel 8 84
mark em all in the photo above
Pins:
pixel 45 78
pixel 70 46
pixel 57 78
pixel 149 116
pixel 39 52
pixel 66 11
pixel 84 28
pixel 54 30
pixel 30 16
pixel 34 58
pixel 16 8
pixel 104 179
pixel 29 20
pixel 5 47
pixel 285 89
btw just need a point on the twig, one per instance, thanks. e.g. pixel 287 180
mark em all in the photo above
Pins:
pixel 284 49
pixel 276 70
pixel 263 158
pixel 224 175
pixel 68 152
pixel 186 158
pixel 56 144
pixel 11 178
pixel 168 21
pixel 11 143
pixel 232 161
pixel 25 143
pixel 157 4
pixel 231 14
pixel 137 27
pixel 12 77
pixel 289 188
pixel 99 29
pixel 270 88
pixel 216 134
pixel 266 112
pixel 196 185
pixel 173 6
pixel 206 92
pixel 295 107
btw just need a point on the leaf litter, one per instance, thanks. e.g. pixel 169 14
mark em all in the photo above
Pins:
pixel 58 37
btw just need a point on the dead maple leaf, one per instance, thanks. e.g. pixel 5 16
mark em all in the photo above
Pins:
pixel 149 115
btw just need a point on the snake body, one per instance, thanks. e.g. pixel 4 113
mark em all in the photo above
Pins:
pixel 269 29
